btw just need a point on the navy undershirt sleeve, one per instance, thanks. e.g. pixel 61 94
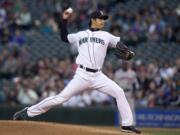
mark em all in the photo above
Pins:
pixel 63 30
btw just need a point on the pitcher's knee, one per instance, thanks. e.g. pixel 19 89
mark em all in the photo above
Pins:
pixel 120 93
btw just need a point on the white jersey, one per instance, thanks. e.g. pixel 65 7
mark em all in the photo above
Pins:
pixel 92 47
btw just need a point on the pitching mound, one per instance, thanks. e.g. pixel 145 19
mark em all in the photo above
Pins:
pixel 42 128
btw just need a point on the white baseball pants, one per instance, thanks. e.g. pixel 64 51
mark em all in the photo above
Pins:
pixel 81 81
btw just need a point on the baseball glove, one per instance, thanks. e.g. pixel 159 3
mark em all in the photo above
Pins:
pixel 123 52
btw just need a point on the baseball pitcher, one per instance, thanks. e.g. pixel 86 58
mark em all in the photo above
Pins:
pixel 92 45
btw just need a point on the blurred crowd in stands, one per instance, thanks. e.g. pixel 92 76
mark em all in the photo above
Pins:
pixel 23 81
pixel 26 82
pixel 157 21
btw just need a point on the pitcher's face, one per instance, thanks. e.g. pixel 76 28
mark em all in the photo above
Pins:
pixel 98 23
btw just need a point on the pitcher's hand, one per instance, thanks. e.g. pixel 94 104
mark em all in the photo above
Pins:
pixel 67 13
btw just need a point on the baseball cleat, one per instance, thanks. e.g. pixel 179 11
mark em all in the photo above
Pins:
pixel 130 129
pixel 21 115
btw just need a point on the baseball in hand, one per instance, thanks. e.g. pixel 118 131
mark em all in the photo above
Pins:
pixel 67 13
pixel 69 10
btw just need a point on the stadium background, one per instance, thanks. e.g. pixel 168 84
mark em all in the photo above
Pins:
pixel 35 63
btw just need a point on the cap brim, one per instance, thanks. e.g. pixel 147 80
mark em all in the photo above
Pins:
pixel 105 17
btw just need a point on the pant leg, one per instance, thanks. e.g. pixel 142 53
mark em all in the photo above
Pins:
pixel 75 86
pixel 131 102
pixel 107 86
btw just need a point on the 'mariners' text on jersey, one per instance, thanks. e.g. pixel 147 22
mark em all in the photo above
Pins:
pixel 92 39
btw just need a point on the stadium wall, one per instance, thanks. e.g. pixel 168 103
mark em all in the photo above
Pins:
pixel 145 117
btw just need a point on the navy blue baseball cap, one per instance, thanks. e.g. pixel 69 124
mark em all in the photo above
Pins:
pixel 99 15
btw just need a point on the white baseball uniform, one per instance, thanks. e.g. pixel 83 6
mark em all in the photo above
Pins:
pixel 92 47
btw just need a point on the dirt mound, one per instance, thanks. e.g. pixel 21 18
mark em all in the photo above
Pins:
pixel 42 128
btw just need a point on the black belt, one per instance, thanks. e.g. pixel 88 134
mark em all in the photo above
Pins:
pixel 89 69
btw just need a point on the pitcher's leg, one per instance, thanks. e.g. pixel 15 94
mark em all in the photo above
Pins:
pixel 107 86
pixel 131 102
pixel 76 85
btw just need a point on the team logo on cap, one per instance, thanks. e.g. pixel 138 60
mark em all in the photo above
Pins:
pixel 101 12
